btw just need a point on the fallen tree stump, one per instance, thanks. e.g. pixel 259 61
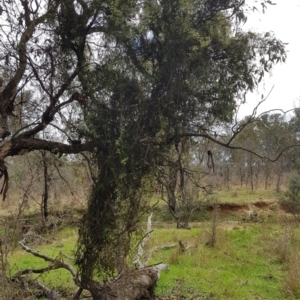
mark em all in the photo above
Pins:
pixel 133 285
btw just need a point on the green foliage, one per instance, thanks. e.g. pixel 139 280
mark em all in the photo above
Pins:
pixel 169 69
pixel 293 192
pixel 291 197
pixel 134 78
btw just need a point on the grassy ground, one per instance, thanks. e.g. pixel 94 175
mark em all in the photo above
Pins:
pixel 62 248
pixel 245 196
pixel 232 270
pixel 239 267
pixel 249 261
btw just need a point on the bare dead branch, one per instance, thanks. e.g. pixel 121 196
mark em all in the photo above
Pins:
pixel 63 178
pixel 35 72
pixel 238 127
pixel 51 294
pixel 275 109
pixel 17 146
pixel 228 146
pixel 57 264
pixel 34 271
pixel 52 109
pixel 22 52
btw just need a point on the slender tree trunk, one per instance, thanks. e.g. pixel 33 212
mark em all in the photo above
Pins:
pixel 251 173
pixel 45 195
pixel 278 183
pixel 266 181
pixel 267 175
pixel 242 175
pixel 214 223
pixel 227 177
pixel 257 176
pixel 171 188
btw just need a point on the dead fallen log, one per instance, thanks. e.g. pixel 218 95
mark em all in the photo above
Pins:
pixel 131 284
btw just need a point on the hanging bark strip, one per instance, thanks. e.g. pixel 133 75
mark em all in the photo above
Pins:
pixel 4 174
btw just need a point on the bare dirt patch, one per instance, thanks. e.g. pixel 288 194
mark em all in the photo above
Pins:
pixel 226 208
pixel 255 211
pixel 263 204
pixel 259 205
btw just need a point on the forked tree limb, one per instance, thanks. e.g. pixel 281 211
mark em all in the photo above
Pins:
pixel 9 90
pixel 57 264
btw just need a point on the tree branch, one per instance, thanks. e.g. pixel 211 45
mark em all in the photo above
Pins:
pixel 9 90
pixel 20 146
pixel 228 145
pixel 57 264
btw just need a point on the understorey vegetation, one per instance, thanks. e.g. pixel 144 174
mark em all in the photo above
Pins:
pixel 106 103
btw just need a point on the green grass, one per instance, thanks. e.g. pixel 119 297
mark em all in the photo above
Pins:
pixel 238 268
pixel 243 265
pixel 250 261
pixel 59 279
pixel 245 196
pixel 237 195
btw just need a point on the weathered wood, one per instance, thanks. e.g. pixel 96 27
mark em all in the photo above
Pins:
pixel 132 285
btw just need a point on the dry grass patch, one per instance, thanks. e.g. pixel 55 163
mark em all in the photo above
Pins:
pixel 291 281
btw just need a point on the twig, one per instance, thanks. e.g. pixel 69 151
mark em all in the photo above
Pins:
pixel 26 282
pixel 34 271
pixel 166 247
pixel 244 283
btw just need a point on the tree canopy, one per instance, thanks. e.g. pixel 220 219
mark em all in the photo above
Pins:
pixel 123 80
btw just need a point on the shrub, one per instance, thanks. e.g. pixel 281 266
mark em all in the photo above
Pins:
pixel 290 199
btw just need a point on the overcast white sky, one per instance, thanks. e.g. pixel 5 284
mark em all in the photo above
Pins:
pixel 284 20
